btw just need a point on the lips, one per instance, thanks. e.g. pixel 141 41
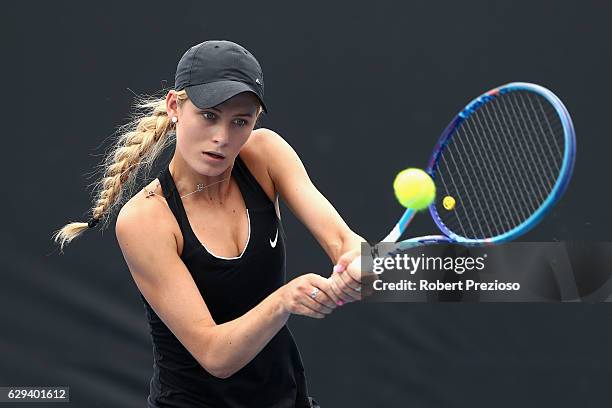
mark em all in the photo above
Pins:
pixel 214 155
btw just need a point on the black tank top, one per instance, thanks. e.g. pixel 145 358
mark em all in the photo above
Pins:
pixel 230 287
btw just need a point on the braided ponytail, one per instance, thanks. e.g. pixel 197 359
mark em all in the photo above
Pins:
pixel 139 143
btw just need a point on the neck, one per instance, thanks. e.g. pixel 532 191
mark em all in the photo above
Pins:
pixel 216 188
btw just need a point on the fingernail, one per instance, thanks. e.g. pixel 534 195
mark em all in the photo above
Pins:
pixel 340 303
pixel 338 268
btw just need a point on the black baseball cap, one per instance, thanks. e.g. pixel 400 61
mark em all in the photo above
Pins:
pixel 213 71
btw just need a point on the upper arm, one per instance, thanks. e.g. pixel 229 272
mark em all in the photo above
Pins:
pixel 291 180
pixel 150 252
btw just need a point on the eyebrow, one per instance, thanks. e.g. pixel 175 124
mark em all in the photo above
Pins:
pixel 238 114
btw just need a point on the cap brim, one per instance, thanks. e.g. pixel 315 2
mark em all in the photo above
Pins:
pixel 213 93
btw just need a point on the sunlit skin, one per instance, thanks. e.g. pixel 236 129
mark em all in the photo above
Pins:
pixel 224 129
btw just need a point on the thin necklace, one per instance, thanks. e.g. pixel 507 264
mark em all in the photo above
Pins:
pixel 199 187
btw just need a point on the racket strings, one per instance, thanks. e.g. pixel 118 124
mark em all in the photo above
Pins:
pixel 506 168
pixel 494 172
pixel 507 152
pixel 528 129
pixel 500 165
pixel 513 126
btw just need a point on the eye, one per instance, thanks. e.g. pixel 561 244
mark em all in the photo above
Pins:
pixel 241 122
pixel 212 115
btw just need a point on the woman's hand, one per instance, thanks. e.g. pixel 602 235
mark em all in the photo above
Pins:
pixel 345 281
pixel 348 279
pixel 307 295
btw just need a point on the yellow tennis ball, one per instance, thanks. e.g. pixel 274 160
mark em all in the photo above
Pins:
pixel 449 203
pixel 414 189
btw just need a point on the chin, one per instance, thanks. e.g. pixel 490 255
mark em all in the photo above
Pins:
pixel 208 170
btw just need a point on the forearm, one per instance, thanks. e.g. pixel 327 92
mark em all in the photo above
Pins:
pixel 348 242
pixel 232 345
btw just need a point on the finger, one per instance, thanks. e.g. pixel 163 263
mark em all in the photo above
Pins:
pixel 331 294
pixel 338 268
pixel 323 298
pixel 335 286
pixel 349 281
pixel 343 263
pixel 298 306
pixel 314 298
pixel 354 271
pixel 344 283
pixel 351 288
pixel 313 305
pixel 353 274
pixel 335 289
pixel 329 298
pixel 345 259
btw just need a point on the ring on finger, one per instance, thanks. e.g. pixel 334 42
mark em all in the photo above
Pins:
pixel 314 293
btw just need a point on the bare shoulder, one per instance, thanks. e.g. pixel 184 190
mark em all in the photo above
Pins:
pixel 264 139
pixel 270 147
pixel 281 161
pixel 256 154
pixel 257 147
pixel 150 214
pixel 146 238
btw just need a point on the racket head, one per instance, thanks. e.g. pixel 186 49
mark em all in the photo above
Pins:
pixel 507 116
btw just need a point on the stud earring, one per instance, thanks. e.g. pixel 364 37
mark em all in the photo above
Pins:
pixel 174 119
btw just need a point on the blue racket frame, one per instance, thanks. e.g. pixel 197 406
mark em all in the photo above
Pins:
pixel 556 193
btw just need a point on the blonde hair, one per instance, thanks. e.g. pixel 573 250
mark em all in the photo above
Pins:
pixel 138 144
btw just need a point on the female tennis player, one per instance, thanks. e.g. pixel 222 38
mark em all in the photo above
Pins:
pixel 204 242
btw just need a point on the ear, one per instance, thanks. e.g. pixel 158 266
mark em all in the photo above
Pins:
pixel 172 104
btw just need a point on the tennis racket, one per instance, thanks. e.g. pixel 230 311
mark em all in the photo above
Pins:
pixel 505 160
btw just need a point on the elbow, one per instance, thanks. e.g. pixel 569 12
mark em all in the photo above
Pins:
pixel 218 370
pixel 223 374
pixel 216 366
pixel 215 356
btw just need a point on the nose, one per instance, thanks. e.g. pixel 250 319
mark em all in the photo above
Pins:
pixel 221 136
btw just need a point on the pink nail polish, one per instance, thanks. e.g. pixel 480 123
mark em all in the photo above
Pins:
pixel 338 268
pixel 340 303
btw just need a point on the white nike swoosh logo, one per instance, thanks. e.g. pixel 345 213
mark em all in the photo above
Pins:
pixel 273 243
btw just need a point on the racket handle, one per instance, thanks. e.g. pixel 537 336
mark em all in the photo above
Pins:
pixel 400 227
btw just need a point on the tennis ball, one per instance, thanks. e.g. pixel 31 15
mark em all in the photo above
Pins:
pixel 414 189
pixel 449 203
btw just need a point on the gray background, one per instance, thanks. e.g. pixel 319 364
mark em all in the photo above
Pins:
pixel 361 90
